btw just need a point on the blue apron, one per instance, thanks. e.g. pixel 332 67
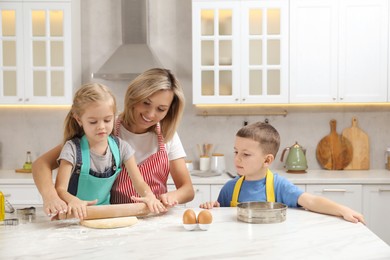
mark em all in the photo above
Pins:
pixel 91 187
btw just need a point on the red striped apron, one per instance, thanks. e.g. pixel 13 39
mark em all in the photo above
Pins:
pixel 154 170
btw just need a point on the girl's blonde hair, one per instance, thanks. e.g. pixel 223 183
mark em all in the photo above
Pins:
pixel 147 84
pixel 263 133
pixel 84 96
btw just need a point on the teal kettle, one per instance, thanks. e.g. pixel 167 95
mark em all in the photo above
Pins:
pixel 296 159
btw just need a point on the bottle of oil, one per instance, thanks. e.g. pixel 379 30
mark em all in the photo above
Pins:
pixel 2 206
pixel 28 164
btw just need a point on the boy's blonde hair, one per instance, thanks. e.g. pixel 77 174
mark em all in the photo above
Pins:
pixel 263 133
pixel 84 96
pixel 147 84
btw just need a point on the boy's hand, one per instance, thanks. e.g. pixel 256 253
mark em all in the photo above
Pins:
pixel 352 216
pixel 209 205
pixel 154 205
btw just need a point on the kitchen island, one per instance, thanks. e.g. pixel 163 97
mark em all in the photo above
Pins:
pixel 303 235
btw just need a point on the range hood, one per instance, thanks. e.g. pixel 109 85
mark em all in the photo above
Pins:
pixel 134 56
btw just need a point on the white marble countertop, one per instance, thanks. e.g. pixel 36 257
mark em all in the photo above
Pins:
pixel 304 235
pixel 379 176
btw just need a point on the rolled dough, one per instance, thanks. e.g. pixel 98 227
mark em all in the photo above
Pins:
pixel 110 222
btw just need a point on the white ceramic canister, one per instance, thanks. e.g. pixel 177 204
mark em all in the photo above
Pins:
pixel 217 163
pixel 189 165
pixel 204 163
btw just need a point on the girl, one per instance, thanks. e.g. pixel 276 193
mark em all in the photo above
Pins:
pixel 154 104
pixel 91 157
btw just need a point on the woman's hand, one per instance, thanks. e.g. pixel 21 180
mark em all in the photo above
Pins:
pixel 154 205
pixel 209 205
pixel 52 205
pixel 168 199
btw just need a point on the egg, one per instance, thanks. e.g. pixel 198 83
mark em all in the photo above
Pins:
pixel 189 219
pixel 205 217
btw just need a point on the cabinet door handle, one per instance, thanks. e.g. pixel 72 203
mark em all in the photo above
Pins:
pixel 334 190
pixel 383 190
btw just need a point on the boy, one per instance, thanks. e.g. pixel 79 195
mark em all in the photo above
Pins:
pixel 255 149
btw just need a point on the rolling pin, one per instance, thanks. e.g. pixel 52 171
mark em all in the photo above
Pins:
pixel 112 211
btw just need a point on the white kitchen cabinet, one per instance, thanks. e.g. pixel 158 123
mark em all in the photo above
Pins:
pixel 338 51
pixel 240 51
pixel 202 194
pixel 348 195
pixel 214 191
pixel 35 52
pixel 22 194
pixel 376 209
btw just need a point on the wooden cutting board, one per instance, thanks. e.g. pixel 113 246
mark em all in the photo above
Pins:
pixel 334 152
pixel 360 146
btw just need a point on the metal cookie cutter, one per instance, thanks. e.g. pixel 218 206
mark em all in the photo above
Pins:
pixel 10 222
pixel 26 213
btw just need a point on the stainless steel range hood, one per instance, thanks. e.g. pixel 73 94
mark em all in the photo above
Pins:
pixel 134 56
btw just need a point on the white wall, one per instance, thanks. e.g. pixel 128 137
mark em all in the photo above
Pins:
pixel 39 130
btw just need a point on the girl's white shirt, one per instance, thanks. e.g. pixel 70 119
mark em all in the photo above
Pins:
pixel 146 144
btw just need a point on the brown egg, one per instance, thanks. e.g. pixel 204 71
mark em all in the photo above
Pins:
pixel 189 217
pixel 205 217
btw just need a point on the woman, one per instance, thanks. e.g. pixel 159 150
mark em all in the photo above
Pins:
pixel 154 104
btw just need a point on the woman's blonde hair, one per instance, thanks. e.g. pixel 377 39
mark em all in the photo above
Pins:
pixel 84 96
pixel 147 84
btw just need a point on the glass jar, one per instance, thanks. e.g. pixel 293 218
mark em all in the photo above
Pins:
pixel 387 159
pixel 28 163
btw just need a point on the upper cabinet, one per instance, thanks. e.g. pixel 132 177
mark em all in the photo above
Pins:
pixel 240 51
pixel 35 52
pixel 339 51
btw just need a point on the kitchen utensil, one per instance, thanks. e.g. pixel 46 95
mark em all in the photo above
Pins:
pixel 296 159
pixel 10 222
pixel 261 212
pixel 360 146
pixel 25 211
pixel 8 207
pixel 334 152
pixel 231 175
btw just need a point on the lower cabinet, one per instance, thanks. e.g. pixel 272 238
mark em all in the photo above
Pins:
pixel 203 193
pixel 376 209
pixel 348 195
pixel 20 195
pixel 214 191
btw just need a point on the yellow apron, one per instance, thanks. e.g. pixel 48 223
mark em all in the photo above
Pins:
pixel 269 189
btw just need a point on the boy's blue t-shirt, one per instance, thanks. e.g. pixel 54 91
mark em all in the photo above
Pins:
pixel 285 191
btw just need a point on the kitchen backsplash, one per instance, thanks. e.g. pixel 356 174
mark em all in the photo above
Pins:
pixel 38 130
